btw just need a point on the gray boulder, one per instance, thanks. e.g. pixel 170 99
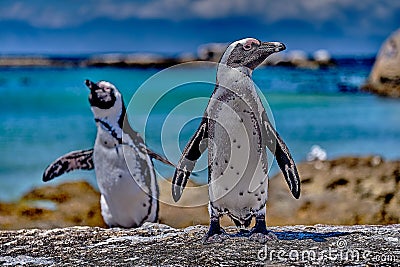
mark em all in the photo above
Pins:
pixel 384 78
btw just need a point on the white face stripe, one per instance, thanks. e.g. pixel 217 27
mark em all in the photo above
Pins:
pixel 107 84
pixel 245 41
pixel 118 96
pixel 228 51
pixel 249 41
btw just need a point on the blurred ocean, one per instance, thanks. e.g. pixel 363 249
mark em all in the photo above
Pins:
pixel 45 114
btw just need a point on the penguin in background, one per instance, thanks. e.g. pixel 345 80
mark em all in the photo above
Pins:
pixel 122 162
pixel 236 131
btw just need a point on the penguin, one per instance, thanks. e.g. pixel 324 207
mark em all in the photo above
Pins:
pixel 122 162
pixel 236 131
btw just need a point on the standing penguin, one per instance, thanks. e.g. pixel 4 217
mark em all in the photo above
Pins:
pixel 236 130
pixel 122 162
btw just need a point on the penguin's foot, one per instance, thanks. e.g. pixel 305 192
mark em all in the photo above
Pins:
pixel 215 234
pixel 260 234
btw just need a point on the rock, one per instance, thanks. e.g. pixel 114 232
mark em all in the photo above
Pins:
pixel 300 59
pixel 317 153
pixel 78 203
pixel 206 52
pixel 191 209
pixel 161 245
pixel 322 56
pixel 384 78
pixel 36 61
pixel 67 204
pixel 139 60
pixel 346 190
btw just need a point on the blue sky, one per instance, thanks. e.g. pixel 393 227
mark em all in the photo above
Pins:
pixel 177 26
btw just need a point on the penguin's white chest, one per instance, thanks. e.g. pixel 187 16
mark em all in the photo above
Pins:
pixel 126 198
pixel 238 178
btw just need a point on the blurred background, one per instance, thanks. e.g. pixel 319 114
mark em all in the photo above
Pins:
pixel 333 95
pixel 179 26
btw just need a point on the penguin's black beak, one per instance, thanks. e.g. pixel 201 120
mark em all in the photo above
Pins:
pixel 272 47
pixel 91 85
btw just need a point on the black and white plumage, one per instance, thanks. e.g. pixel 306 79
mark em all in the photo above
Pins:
pixel 236 131
pixel 122 162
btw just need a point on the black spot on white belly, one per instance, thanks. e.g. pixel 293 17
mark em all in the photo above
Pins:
pixel 240 193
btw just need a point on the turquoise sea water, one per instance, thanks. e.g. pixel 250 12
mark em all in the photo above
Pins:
pixel 45 113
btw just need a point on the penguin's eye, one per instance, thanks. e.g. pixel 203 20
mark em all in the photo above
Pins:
pixel 247 47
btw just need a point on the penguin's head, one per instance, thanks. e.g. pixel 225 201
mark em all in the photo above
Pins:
pixel 104 98
pixel 249 52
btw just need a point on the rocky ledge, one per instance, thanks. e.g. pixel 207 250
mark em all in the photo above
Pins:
pixel 342 191
pixel 161 245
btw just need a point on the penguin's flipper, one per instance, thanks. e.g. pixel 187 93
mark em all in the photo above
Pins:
pixel 283 157
pixel 190 155
pixel 75 160
pixel 158 157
